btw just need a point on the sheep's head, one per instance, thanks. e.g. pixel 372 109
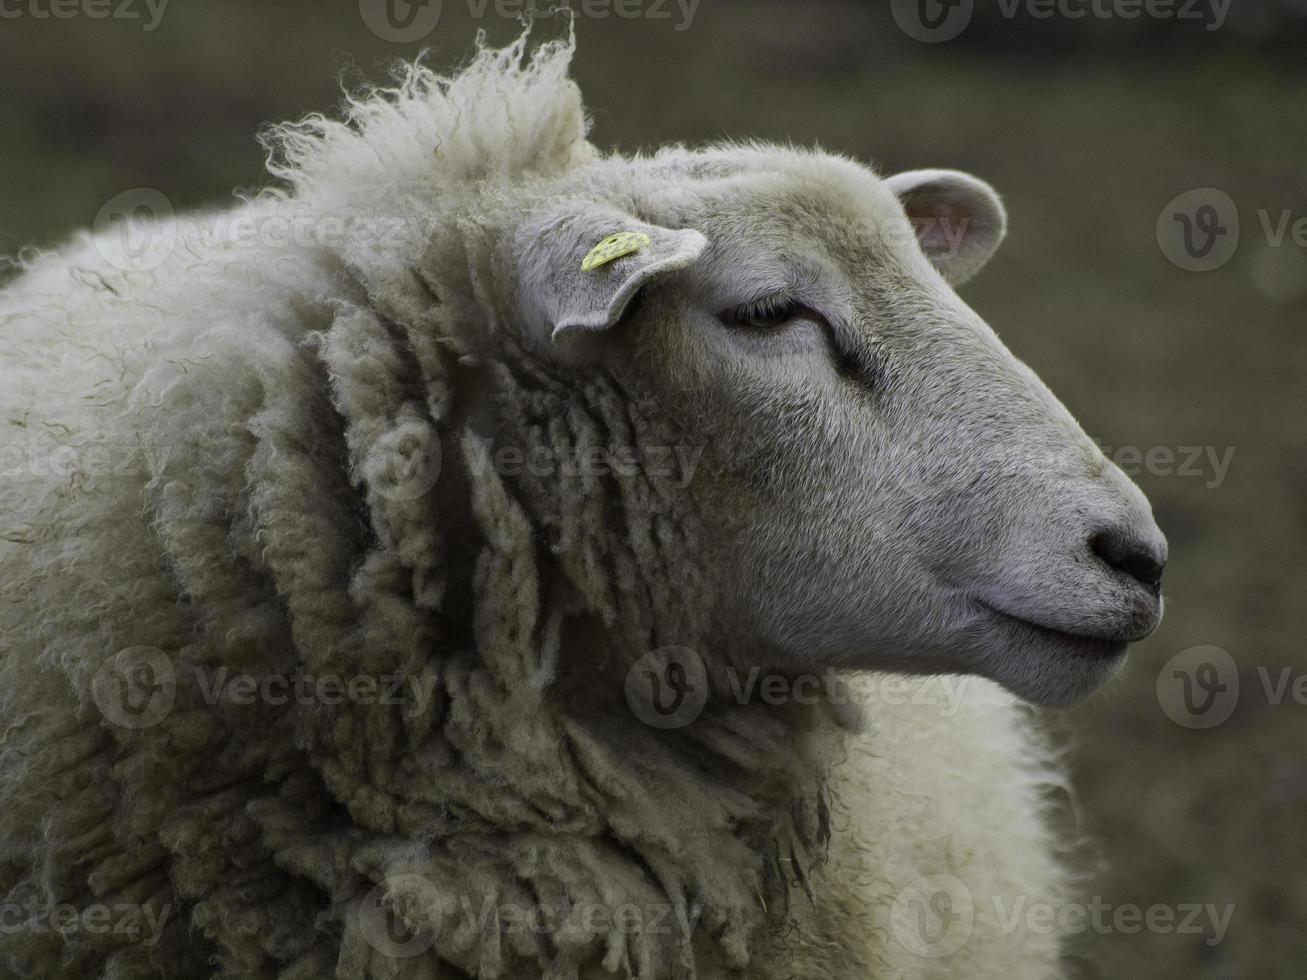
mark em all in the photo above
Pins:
pixel 889 486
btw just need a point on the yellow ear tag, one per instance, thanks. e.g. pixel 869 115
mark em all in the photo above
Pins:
pixel 615 247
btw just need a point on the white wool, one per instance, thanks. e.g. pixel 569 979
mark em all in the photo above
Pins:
pixel 221 459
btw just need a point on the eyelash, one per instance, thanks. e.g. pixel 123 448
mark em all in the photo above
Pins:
pixel 780 308
pixel 784 309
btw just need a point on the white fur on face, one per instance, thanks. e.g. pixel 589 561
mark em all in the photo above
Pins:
pixel 898 491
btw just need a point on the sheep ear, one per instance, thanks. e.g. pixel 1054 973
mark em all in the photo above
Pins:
pixel 959 220
pixel 580 271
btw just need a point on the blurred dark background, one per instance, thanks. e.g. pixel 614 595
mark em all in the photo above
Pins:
pixel 1091 127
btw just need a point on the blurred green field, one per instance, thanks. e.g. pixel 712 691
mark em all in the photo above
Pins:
pixel 1088 145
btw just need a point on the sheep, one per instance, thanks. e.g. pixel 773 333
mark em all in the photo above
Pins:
pixel 415 571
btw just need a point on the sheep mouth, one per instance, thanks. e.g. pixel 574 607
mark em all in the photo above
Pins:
pixel 1076 644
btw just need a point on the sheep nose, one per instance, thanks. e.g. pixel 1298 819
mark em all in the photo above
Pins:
pixel 1126 552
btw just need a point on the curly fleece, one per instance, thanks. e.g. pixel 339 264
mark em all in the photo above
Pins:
pixel 273 460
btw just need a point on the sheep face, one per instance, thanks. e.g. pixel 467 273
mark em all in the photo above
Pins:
pixel 891 487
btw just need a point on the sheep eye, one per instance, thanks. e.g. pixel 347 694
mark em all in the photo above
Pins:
pixel 770 314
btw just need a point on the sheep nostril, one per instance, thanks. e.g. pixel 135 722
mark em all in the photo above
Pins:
pixel 1126 553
